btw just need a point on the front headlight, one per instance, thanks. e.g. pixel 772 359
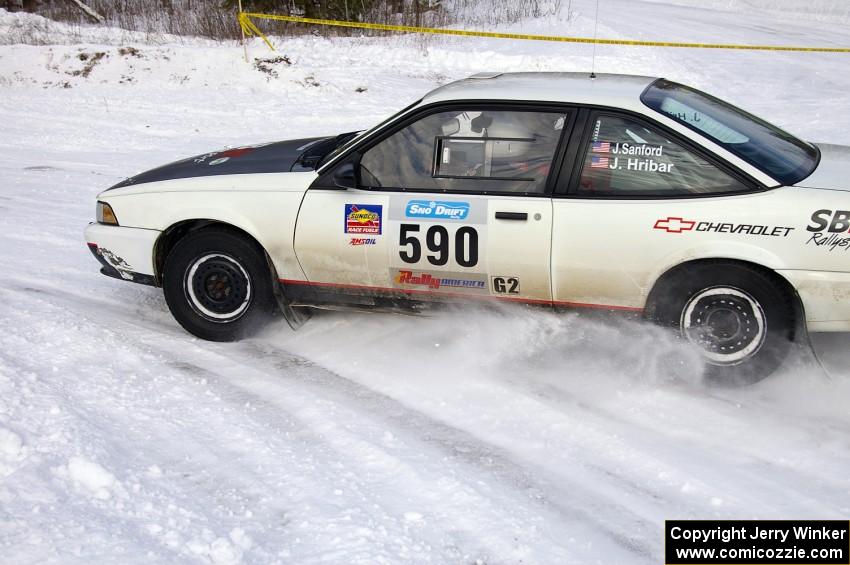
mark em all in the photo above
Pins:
pixel 105 215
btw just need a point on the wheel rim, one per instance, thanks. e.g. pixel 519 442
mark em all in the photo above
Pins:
pixel 727 323
pixel 218 287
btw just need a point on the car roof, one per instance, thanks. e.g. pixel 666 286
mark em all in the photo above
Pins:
pixel 604 89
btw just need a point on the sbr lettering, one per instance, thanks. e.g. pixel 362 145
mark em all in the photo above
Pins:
pixel 827 220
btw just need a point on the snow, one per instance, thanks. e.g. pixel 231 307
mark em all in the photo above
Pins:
pixel 90 476
pixel 497 436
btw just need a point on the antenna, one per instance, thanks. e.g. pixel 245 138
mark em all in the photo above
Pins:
pixel 595 30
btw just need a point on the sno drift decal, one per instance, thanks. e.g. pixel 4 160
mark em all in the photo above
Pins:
pixel 678 225
pixel 470 211
pixel 363 219
pixel 437 209
pixel 828 228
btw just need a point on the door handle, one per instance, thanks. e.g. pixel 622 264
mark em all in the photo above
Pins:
pixel 523 216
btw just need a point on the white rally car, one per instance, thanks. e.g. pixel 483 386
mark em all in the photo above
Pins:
pixel 563 190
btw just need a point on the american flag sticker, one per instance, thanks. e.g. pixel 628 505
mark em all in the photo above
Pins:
pixel 599 162
pixel 601 147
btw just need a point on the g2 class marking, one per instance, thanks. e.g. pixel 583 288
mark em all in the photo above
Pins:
pixel 506 285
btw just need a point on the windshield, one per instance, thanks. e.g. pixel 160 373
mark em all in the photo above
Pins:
pixel 765 146
pixel 345 144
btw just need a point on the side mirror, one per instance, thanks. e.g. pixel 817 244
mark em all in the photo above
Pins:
pixel 345 176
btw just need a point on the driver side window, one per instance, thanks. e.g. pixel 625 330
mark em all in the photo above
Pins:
pixel 473 151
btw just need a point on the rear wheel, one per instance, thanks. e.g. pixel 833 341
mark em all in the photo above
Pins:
pixel 217 285
pixel 739 317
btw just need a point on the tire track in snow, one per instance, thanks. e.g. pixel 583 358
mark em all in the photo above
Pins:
pixel 506 471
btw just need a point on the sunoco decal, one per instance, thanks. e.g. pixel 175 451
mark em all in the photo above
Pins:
pixel 363 219
pixel 830 229
pixel 436 209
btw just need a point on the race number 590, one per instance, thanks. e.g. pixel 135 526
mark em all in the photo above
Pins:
pixel 438 244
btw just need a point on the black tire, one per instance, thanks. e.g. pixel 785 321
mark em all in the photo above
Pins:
pixel 740 318
pixel 218 286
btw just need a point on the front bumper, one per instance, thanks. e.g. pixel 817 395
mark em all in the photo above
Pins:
pixel 124 253
pixel 826 298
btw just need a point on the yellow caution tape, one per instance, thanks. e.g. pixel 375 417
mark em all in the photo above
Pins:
pixel 251 29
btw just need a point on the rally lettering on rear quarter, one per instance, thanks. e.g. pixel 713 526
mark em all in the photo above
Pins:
pixel 827 227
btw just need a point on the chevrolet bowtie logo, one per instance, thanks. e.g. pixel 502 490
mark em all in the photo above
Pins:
pixel 674 225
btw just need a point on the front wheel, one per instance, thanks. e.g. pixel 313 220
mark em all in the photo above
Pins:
pixel 741 320
pixel 218 286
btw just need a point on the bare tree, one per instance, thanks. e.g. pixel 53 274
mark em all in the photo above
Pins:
pixel 88 11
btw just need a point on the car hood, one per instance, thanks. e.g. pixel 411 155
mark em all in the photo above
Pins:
pixel 833 171
pixel 279 157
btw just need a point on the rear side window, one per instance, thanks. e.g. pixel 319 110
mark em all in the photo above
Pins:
pixel 624 157
pixel 499 151
pixel 776 152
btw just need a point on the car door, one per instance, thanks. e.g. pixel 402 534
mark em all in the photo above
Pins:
pixel 453 203
pixel 641 200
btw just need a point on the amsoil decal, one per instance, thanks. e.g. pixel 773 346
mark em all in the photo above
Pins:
pixel 363 241
pixel 830 229
pixel 363 219
pixel 679 225
pixel 430 281
pixel 436 209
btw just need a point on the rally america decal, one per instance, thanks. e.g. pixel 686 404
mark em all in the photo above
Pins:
pixel 363 219
pixel 676 224
pixel 830 229
pixel 464 282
